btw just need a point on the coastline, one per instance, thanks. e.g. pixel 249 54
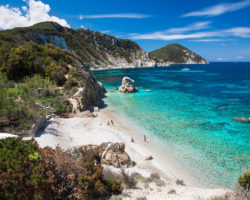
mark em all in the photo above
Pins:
pixel 81 130
pixel 170 65
pixel 114 68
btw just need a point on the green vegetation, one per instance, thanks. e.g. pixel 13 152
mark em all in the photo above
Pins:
pixel 30 59
pixel 21 107
pixel 17 109
pixel 29 172
pixel 21 171
pixel 244 180
pixel 174 53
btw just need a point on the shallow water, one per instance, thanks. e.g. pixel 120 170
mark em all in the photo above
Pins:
pixel 192 111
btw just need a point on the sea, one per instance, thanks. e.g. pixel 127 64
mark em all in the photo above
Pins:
pixel 191 112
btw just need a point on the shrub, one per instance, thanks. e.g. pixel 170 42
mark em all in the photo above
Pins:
pixel 90 181
pixel 113 187
pixel 62 173
pixel 180 182
pixel 28 172
pixel 244 180
pixel 21 171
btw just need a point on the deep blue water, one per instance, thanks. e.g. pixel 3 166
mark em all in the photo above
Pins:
pixel 192 111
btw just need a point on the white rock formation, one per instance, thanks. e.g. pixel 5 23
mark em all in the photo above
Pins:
pixel 127 85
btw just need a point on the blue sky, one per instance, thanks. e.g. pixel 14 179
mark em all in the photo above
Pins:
pixel 217 30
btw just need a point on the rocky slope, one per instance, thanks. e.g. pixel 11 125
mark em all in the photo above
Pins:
pixel 96 49
pixel 176 54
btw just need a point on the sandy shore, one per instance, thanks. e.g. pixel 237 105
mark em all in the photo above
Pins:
pixel 81 130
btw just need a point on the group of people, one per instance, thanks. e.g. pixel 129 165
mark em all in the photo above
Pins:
pixel 145 139
pixel 111 122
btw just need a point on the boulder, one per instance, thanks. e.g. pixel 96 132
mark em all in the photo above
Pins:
pixel 242 119
pixel 117 159
pixel 149 158
pixel 108 154
pixel 127 85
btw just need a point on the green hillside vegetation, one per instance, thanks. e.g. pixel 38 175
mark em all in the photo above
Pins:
pixel 174 53
pixel 39 70
pixel 20 107
pixel 30 59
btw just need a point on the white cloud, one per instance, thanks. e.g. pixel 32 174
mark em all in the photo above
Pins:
pixel 36 12
pixel 164 36
pixel 240 31
pixel 191 27
pixel 219 9
pixel 240 57
pixel 243 32
pixel 105 31
pixel 212 40
pixel 122 15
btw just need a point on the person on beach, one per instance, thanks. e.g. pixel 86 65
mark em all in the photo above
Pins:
pixel 132 140
pixel 145 139
pixel 112 122
pixel 108 123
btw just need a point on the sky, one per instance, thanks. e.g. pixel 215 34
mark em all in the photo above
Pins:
pixel 218 30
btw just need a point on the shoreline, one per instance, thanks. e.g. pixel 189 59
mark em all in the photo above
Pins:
pixel 118 68
pixel 82 130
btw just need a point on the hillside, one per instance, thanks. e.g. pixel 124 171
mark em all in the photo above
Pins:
pixel 94 48
pixel 176 54
pixel 49 81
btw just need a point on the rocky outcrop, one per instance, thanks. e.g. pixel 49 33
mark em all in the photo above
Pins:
pixel 127 85
pixel 87 96
pixel 106 153
pixel 242 119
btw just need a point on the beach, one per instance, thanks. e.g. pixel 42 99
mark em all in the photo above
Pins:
pixel 87 129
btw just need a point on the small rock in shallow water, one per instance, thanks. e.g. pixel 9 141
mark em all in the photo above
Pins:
pixel 242 119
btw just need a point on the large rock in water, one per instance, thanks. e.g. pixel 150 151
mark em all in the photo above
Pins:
pixel 107 153
pixel 127 85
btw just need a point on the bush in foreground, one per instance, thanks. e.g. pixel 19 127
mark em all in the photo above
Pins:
pixel 21 171
pixel 29 172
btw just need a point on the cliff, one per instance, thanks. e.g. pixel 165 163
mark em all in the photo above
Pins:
pixel 176 54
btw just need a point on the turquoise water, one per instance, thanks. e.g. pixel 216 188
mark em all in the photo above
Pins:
pixel 191 112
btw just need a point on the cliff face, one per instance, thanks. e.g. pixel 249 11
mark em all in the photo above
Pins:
pixel 176 54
